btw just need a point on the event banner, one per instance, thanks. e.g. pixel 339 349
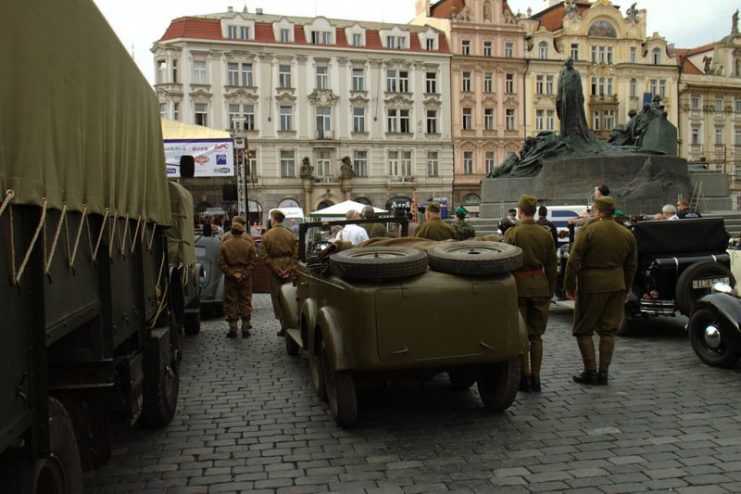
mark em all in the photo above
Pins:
pixel 213 157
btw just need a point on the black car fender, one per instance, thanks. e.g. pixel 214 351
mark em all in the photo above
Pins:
pixel 724 305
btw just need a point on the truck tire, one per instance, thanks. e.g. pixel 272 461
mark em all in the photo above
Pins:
pixel 61 473
pixel 315 366
pixel 474 258
pixel 292 348
pixel 160 403
pixel 685 295
pixel 341 395
pixel 375 263
pixel 192 323
pixel 709 338
pixel 498 384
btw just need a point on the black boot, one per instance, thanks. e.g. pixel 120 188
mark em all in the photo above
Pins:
pixel 602 377
pixel 526 384
pixel 232 333
pixel 535 381
pixel 587 377
pixel 281 333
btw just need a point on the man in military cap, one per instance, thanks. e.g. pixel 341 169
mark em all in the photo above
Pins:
pixel 237 259
pixel 434 228
pixel 536 280
pixel 280 254
pixel 374 230
pixel 600 270
pixel 243 222
pixel 462 229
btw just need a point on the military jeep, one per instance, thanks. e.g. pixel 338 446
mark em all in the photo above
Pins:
pixel 400 307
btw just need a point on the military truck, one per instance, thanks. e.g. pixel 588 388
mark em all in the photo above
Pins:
pixel 93 304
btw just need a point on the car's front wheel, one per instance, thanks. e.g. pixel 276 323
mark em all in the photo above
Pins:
pixel 709 336
pixel 340 389
pixel 498 384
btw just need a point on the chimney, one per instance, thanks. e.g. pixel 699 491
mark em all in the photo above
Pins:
pixel 230 8
pixel 422 7
pixel 258 11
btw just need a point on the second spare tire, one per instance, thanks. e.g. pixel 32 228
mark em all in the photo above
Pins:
pixel 474 258
pixel 378 263
pixel 687 294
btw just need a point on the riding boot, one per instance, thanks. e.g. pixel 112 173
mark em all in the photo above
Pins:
pixel 536 358
pixel 525 384
pixel 232 329
pixel 606 349
pixel 586 347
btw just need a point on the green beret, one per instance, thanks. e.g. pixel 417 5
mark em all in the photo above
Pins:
pixel 433 207
pixel 619 214
pixel 461 211
pixel 604 204
pixel 528 203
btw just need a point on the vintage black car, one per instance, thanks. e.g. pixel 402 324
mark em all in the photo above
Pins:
pixel 714 329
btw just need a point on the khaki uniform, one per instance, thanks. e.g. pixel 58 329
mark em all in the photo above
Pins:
pixel 237 255
pixel 280 254
pixel 435 229
pixel 375 230
pixel 228 235
pixel 536 280
pixel 463 230
pixel 600 270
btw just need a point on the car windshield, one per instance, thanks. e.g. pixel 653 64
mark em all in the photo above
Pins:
pixel 316 236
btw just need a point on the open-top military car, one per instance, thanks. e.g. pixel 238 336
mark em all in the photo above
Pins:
pixel 405 306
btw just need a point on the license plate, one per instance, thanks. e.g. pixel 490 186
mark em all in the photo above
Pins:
pixel 698 284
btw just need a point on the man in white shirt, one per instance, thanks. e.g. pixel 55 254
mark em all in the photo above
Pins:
pixel 669 212
pixel 353 233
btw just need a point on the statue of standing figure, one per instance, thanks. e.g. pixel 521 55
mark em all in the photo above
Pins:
pixel 570 104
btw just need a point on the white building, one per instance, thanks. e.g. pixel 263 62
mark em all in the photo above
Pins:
pixel 320 89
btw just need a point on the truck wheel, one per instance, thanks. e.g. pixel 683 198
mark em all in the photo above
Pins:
pixel 686 296
pixel 462 379
pixel 315 366
pixel 192 323
pixel 373 263
pixel 709 339
pixel 162 389
pixel 498 384
pixel 292 348
pixel 474 258
pixel 340 389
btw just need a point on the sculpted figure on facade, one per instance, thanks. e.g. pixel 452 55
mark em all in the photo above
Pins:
pixel 307 171
pixel 346 170
pixel 734 23
pixel 570 6
pixel 632 13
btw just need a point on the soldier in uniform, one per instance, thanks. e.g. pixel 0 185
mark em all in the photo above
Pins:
pixel 280 254
pixel 536 280
pixel 237 259
pixel 462 229
pixel 374 229
pixel 434 228
pixel 243 222
pixel 600 270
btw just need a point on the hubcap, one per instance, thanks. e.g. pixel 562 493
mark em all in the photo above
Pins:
pixel 712 336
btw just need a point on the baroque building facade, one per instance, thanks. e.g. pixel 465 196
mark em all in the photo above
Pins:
pixel 621 67
pixel 487 92
pixel 310 93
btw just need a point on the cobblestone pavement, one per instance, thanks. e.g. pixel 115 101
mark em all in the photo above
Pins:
pixel 248 420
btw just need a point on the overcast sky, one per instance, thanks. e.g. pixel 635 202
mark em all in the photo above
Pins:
pixel 138 23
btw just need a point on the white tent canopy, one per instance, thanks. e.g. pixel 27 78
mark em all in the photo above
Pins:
pixel 340 209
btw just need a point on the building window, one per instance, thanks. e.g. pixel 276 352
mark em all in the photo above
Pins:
pixel 539 119
pixel 662 88
pixel 396 42
pixel 550 120
pixel 174 71
pixel 489 162
pixel 397 81
pixel 609 119
pixel 466 47
pixel 360 163
pixel 432 121
pixel 549 84
pixel 201 114
pixel 574 51
pixel 393 162
pixel 406 163
pixel 489 118
pixel 398 121
pixel 543 50
pixel 609 55
pixel 231 32
pixel 656 56
pixel 247 74
pixel 232 74
pixel 737 137
pixel 161 72
pixel 539 84
pixel 358 119
pixel 633 54
pixel 403 81
pixel 601 86
pixel 199 72
pixel 322 78
pixel 392 123
pixel 404 126
pixel 163 110
pixel 285 35
pixel 358 80
pixel 321 38
pixel 431 82
pixel 244 32
pixel 322 164
pixel 509 83
pixel 252 163
pixel 602 54
pixel 466 82
pixel 488 82
pixel 467 119
pixel 241 117
pixel 430 44
pixel 487 48
pixel 286 117
pixel 738 105
pixel 696 138
pixel 176 111
pixel 695 103
pixel 633 88
pixel 719 136
pixel 509 49
pixel 596 120
pixel 510 119
pixel 432 164
pixel 284 76
pixel 468 162
pixel 323 122
pixel 653 86
pixel 287 164
pixel 357 39
pixel 719 104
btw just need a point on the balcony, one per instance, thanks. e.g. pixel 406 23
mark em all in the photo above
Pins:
pixel 326 179
pixel 400 181
pixel 324 134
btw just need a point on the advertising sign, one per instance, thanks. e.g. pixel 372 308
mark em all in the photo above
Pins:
pixel 213 157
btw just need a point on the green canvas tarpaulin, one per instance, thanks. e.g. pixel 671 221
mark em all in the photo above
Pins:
pixel 79 124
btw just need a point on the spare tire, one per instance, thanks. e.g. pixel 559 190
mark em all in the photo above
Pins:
pixel 474 258
pixel 686 296
pixel 378 263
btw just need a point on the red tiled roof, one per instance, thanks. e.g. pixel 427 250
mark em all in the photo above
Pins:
pixel 688 52
pixel 444 8
pixel 690 68
pixel 210 29
pixel 551 19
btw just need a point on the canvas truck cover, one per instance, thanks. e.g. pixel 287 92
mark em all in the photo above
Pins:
pixel 79 124
pixel 180 235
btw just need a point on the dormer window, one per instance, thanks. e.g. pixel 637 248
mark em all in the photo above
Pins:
pixel 285 35
pixel 240 29
pixel 396 42
pixel 430 45
pixel 321 38
pixel 357 39
pixel 656 56
pixel 244 32
pixel 231 32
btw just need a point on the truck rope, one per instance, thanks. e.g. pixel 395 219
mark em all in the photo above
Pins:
pixel 83 222
pixel 62 217
pixel 9 194
pixel 125 235
pixel 112 234
pixel 100 235
pixel 136 233
pixel 17 274
pixel 151 239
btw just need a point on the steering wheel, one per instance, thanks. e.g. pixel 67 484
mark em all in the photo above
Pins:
pixel 319 246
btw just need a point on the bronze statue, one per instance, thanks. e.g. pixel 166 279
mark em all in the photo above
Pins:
pixel 632 12
pixel 307 171
pixel 346 170
pixel 734 20
pixel 570 104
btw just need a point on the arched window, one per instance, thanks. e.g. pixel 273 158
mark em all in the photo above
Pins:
pixel 602 29
pixel 542 50
pixel 288 203
pixel 363 200
pixel 656 56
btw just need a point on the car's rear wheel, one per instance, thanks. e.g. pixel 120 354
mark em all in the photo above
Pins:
pixel 462 379
pixel 709 336
pixel 341 395
pixel 687 295
pixel 375 263
pixel 474 258
pixel 498 384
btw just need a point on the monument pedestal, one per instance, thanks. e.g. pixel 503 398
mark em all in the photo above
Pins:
pixel 640 184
